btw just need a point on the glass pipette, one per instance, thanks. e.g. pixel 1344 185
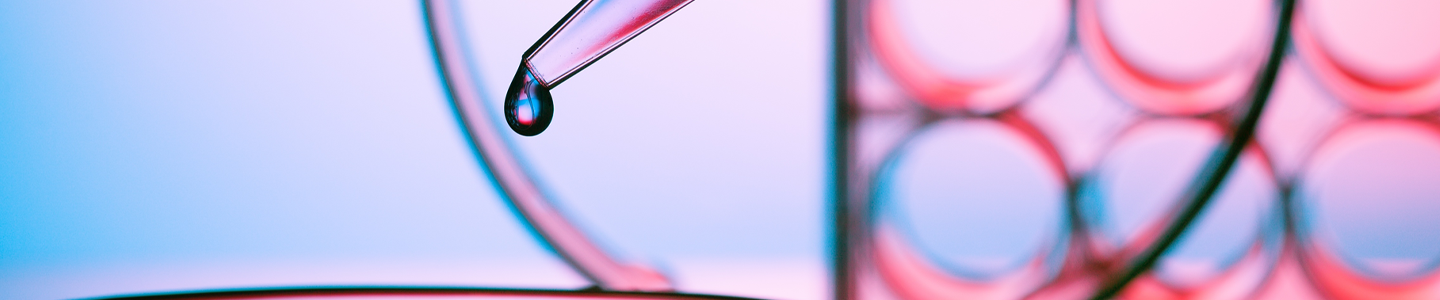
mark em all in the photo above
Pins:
pixel 591 30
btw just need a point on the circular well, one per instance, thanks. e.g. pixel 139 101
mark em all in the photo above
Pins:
pixel 1143 177
pixel 976 196
pixel 979 56
pixel 1372 193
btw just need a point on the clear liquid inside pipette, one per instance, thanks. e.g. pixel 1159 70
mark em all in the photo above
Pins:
pixel 591 30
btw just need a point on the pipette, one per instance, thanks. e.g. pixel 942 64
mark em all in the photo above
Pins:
pixel 591 30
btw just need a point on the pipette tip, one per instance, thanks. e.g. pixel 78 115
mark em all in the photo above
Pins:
pixel 528 106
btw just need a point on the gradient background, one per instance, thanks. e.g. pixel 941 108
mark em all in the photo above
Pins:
pixel 175 145
pixel 170 145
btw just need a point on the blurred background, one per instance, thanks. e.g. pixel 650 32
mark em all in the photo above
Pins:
pixel 177 145
pixel 181 145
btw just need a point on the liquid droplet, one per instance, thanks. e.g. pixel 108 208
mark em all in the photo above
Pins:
pixel 528 108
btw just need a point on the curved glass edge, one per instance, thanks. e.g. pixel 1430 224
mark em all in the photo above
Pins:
pixel 1208 182
pixel 508 173
pixel 410 291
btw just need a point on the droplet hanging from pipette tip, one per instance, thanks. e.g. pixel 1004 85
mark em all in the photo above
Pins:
pixel 528 107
